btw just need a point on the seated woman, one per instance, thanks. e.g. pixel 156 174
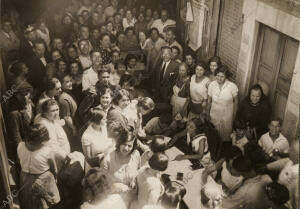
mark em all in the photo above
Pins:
pixel 97 192
pixel 122 165
pixel 95 143
pixel 37 178
pixel 120 103
pixel 196 145
pixel 149 185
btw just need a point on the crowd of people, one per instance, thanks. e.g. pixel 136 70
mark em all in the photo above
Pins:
pixel 102 89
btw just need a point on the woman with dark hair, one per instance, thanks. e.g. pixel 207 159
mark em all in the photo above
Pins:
pixel 20 115
pixel 122 165
pixel 222 102
pixel 150 188
pixel 95 143
pixel 61 66
pixel 72 54
pixel 58 141
pixel 141 24
pixel 37 179
pixel 128 20
pixel 68 108
pixel 198 91
pixel 19 72
pixel 130 44
pixel 120 103
pixel 213 64
pixel 197 143
pixel 75 71
pixel 191 63
pixel 256 111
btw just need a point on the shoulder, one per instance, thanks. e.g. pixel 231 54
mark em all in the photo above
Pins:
pixel 21 146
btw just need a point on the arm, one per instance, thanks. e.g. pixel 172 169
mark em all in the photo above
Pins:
pixel 87 151
pixel 193 157
pixel 208 107
pixel 52 164
pixel 14 128
pixel 177 136
pixel 235 105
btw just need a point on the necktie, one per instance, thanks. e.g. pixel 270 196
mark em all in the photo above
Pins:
pixel 162 72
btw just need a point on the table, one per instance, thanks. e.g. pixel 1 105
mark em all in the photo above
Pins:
pixel 192 179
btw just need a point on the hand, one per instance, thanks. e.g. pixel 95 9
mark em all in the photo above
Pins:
pixel 172 141
pixel 179 157
pixel 119 188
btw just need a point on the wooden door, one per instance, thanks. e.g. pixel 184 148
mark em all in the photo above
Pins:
pixel 275 61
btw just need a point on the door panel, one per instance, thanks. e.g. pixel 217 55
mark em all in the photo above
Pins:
pixel 269 48
pixel 276 57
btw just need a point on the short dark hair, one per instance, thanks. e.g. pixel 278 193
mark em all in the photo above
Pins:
pixel 95 51
pixel 223 69
pixel 128 29
pixel 119 95
pixel 154 29
pixel 239 124
pixel 39 41
pixel 242 164
pixel 96 117
pixel 47 104
pixel 159 161
pixel 16 67
pixel 232 152
pixel 127 79
pixel 278 119
pixel 177 48
pixel 215 59
pixel 201 64
pixel 158 144
pixel 51 84
pixel 277 193
pixel 146 103
pixel 126 136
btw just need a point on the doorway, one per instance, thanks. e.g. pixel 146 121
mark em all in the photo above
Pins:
pixel 274 66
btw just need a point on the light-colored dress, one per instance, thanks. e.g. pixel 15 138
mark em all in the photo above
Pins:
pixel 198 94
pixel 112 201
pixel 222 107
pixel 97 140
pixel 122 171
pixel 150 189
pixel 206 160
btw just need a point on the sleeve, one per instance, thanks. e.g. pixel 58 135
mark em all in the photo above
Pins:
pixel 105 164
pixel 234 90
pixel 154 190
pixel 64 108
pixel 137 159
pixel 285 146
pixel 84 107
pixel 210 89
pixel 149 126
pixel 85 82
pixel 85 140
pixel 260 142
pixel 14 127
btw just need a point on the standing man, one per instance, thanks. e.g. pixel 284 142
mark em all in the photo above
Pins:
pixel 164 76
pixel 162 23
pixel 171 40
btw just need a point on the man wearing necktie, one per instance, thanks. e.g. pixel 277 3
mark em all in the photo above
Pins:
pixel 164 76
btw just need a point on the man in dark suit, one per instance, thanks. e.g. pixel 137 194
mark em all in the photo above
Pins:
pixel 163 76
pixel 37 67
pixel 26 45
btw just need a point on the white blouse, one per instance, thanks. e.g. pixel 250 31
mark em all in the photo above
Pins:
pixel 198 91
pixel 97 140
pixel 34 162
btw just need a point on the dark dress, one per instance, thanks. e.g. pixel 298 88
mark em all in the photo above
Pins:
pixel 257 116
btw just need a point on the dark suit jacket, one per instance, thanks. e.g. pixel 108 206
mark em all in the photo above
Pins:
pixel 37 74
pixel 26 50
pixel 164 87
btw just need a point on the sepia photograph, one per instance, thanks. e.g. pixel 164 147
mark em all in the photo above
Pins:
pixel 149 104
